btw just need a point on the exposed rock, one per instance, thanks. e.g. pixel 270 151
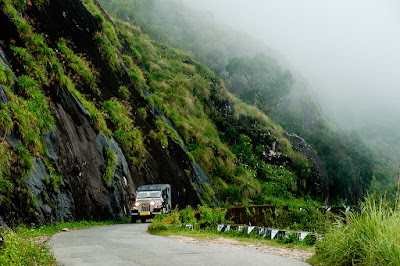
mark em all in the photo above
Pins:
pixel 2 223
pixel 317 183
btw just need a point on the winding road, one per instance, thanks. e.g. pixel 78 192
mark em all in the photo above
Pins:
pixel 130 244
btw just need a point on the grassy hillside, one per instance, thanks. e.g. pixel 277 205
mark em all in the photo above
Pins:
pixel 351 165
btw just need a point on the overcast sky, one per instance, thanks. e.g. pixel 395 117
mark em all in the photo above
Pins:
pixel 349 50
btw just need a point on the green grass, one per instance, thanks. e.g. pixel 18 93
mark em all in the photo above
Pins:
pixel 111 164
pixel 56 177
pixel 130 137
pixel 78 64
pixel 370 237
pixel 27 246
pixel 108 51
pixel 6 76
pixel 30 64
pixel 6 185
pixel 124 92
pixel 163 132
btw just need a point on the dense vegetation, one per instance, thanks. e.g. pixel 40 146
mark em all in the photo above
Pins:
pixel 286 97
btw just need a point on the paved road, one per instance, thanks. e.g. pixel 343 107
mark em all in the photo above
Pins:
pixel 130 244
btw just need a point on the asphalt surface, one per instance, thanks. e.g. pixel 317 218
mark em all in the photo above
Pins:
pixel 130 244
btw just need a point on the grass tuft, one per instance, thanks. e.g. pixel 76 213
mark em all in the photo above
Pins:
pixel 129 136
pixel 111 164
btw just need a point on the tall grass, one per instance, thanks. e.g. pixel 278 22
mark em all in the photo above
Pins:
pixel 371 237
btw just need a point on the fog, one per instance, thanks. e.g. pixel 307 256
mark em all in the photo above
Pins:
pixel 348 50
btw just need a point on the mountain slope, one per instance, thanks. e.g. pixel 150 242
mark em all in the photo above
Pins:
pixel 351 165
pixel 92 108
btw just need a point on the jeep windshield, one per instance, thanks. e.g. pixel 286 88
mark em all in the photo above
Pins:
pixel 148 194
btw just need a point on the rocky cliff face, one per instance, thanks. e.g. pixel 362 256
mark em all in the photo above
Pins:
pixel 317 183
pixel 75 147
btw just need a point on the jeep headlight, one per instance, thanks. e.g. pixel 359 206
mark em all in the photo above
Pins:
pixel 152 203
pixel 137 204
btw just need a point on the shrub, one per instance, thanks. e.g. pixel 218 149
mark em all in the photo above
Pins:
pixel 188 216
pixel 211 217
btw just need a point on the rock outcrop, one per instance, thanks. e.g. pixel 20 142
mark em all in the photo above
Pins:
pixel 317 183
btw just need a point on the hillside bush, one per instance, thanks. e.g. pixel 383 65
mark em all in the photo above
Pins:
pixel 211 217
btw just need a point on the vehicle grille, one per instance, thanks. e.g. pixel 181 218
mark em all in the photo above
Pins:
pixel 145 207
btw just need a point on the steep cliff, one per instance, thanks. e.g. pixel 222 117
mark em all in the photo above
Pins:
pixel 74 149
pixel 91 109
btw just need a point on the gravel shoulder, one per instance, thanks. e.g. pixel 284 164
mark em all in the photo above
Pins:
pixel 228 242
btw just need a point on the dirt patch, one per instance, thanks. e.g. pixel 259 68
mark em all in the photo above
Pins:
pixel 222 241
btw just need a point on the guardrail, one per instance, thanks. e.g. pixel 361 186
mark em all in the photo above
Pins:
pixel 264 232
